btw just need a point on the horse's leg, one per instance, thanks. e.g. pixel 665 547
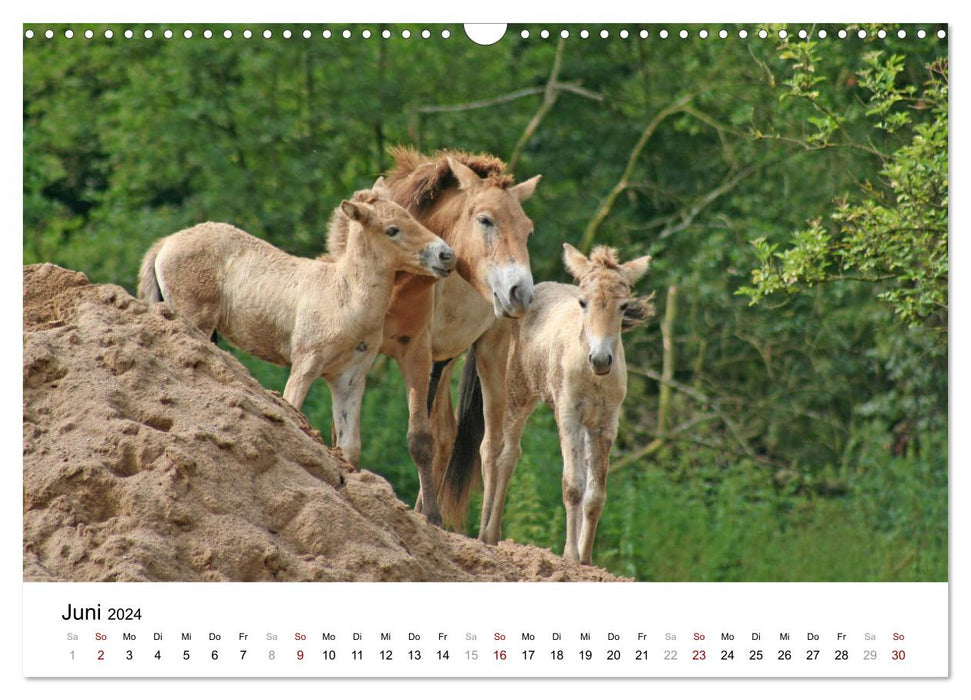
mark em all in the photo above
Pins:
pixel 491 354
pixel 304 369
pixel 347 394
pixel 443 427
pixel 514 420
pixel 572 449
pixel 204 316
pixel 415 361
pixel 598 444
pixel 192 290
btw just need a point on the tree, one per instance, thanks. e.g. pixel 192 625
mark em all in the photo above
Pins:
pixel 893 234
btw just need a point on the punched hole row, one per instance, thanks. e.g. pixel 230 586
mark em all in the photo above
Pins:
pixel 446 34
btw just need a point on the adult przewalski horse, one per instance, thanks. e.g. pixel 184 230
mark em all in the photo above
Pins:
pixel 320 317
pixel 473 204
pixel 567 352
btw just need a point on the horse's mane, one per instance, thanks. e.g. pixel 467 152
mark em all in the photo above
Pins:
pixel 418 179
pixel 340 223
pixel 605 256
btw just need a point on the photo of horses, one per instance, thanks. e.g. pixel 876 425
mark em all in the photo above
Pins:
pixel 592 302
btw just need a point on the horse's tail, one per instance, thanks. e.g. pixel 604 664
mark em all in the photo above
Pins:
pixel 435 380
pixel 462 465
pixel 148 287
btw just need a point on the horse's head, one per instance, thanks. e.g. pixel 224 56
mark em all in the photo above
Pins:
pixel 398 238
pixel 606 301
pixel 490 236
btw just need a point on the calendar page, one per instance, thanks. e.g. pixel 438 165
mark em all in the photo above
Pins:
pixel 543 350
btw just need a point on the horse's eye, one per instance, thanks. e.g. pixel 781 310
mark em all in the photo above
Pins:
pixel 624 305
pixel 485 220
pixel 583 303
pixel 392 231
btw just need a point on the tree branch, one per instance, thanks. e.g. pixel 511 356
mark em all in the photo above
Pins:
pixel 667 364
pixel 674 384
pixel 550 92
pixel 680 220
pixel 805 145
pixel 687 218
pixel 550 95
pixel 480 104
pixel 573 87
pixel 643 452
pixel 607 204
pixel 705 401
pixel 658 442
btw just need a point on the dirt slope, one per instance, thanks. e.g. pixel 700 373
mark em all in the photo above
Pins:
pixel 150 454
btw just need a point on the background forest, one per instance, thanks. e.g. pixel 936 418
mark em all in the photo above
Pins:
pixel 786 416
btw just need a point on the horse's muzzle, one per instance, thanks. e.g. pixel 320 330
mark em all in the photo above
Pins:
pixel 600 364
pixel 601 355
pixel 512 290
pixel 439 258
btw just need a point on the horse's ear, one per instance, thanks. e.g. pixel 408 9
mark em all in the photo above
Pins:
pixel 357 211
pixel 464 174
pixel 635 269
pixel 380 187
pixel 575 261
pixel 524 190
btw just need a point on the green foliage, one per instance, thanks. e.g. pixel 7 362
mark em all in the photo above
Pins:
pixel 738 523
pixel 896 235
pixel 807 429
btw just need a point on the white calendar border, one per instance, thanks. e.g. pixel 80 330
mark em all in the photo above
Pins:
pixel 494 11
pixel 483 630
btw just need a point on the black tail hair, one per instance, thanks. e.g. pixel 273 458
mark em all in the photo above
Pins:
pixel 433 381
pixel 462 465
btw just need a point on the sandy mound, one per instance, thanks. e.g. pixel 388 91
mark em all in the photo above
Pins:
pixel 150 454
